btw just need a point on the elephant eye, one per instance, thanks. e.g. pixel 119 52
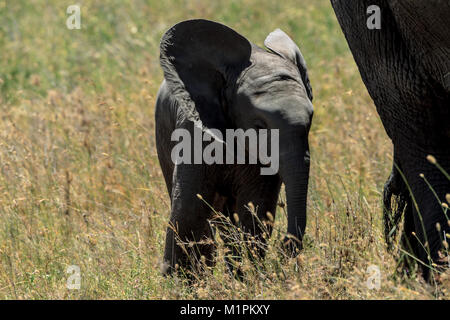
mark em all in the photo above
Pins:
pixel 284 77
pixel 260 92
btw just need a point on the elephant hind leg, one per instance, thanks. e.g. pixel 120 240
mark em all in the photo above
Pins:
pixel 395 201
pixel 397 204
pixel 408 242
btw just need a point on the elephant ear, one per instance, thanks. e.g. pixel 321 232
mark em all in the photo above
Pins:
pixel 281 44
pixel 200 60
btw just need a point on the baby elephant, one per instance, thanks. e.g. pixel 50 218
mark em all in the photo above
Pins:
pixel 220 89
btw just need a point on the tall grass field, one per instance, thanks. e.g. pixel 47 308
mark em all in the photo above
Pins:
pixel 80 182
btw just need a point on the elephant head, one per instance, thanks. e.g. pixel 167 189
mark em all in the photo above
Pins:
pixel 222 81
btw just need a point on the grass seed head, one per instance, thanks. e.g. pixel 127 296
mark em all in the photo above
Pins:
pixel 431 159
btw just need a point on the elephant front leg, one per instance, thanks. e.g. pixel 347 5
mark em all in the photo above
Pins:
pixel 254 215
pixel 189 240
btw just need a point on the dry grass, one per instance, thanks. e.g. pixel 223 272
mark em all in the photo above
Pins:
pixel 80 182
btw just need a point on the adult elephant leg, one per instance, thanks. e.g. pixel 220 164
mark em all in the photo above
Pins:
pixel 395 200
pixel 189 236
pixel 408 242
pixel 429 187
pixel 411 98
pixel 397 204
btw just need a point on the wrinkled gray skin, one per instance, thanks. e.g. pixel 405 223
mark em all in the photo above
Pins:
pixel 217 79
pixel 406 69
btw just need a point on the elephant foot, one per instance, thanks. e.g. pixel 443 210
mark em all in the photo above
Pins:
pixel 165 269
pixel 190 270
pixel 442 277
pixel 292 246
pixel 187 256
pixel 232 263
pixel 252 249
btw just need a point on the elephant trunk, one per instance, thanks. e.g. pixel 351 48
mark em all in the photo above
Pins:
pixel 294 171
